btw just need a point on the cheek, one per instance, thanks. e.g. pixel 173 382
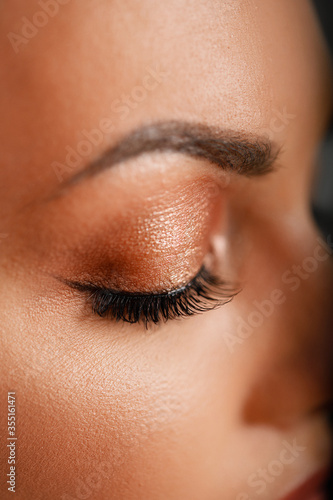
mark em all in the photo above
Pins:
pixel 128 410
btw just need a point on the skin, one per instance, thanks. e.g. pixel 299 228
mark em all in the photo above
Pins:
pixel 190 409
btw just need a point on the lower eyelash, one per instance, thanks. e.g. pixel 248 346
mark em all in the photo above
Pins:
pixel 203 293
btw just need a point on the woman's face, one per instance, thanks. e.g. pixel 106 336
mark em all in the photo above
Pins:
pixel 141 141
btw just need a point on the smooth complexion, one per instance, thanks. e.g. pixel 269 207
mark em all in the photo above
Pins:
pixel 113 411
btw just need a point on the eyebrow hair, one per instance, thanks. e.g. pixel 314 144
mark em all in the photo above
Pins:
pixel 245 154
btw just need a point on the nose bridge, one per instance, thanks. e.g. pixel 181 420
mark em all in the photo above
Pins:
pixel 295 377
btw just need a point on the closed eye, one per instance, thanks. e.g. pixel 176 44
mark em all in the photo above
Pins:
pixel 203 293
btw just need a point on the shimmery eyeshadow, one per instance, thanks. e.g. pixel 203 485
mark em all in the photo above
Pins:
pixel 148 234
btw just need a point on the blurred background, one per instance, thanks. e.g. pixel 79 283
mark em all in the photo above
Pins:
pixel 323 190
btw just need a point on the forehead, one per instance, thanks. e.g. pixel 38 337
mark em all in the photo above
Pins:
pixel 240 45
pixel 227 62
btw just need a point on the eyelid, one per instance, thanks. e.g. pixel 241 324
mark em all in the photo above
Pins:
pixel 203 293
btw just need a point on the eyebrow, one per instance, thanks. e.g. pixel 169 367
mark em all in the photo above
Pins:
pixel 242 153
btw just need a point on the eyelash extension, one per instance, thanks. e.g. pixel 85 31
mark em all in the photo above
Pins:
pixel 204 292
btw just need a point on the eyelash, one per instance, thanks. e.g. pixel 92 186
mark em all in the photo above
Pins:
pixel 204 292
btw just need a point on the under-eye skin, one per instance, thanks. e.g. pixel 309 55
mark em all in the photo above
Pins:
pixel 203 293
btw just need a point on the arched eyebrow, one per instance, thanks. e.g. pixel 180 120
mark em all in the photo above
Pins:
pixel 244 154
